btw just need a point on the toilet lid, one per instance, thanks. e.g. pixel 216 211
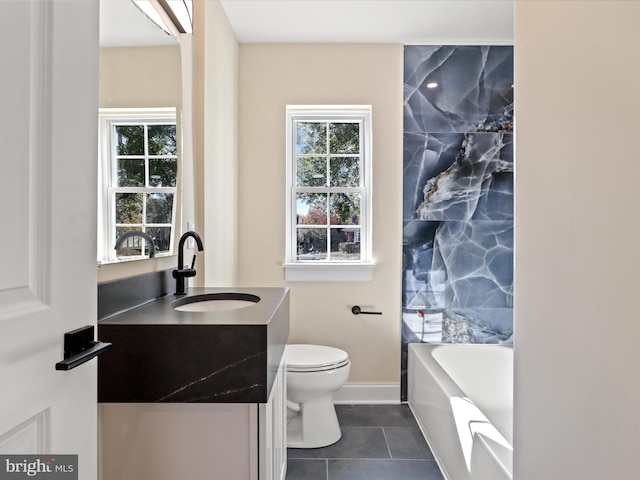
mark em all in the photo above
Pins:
pixel 306 358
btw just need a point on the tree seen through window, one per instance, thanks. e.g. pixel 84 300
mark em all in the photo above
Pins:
pixel 146 168
pixel 328 191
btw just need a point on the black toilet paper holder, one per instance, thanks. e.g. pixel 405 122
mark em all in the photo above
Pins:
pixel 356 310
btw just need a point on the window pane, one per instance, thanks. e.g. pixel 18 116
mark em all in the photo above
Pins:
pixel 131 245
pixel 345 171
pixel 312 244
pixel 161 238
pixel 345 243
pixel 345 208
pixel 130 139
pixel 129 208
pixel 162 140
pixel 311 208
pixel 311 172
pixel 130 173
pixel 344 137
pixel 163 172
pixel 159 206
pixel 311 138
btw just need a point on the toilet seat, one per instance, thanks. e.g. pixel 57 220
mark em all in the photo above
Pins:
pixel 314 358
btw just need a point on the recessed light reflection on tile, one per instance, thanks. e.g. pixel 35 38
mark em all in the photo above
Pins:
pixel 432 85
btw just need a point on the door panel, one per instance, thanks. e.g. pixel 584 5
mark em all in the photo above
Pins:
pixel 23 95
pixel 48 142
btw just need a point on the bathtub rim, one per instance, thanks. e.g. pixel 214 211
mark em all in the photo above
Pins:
pixel 450 389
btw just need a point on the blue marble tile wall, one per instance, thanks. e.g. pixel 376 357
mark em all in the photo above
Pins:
pixel 458 195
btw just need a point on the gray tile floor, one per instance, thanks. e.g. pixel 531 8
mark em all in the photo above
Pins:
pixel 379 442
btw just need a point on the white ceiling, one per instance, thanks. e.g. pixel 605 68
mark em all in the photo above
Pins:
pixel 371 21
pixel 332 21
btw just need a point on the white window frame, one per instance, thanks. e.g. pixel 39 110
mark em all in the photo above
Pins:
pixel 107 176
pixel 336 270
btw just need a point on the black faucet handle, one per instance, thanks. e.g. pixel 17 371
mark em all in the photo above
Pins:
pixel 184 273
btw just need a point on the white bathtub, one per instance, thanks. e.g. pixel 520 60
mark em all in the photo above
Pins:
pixel 462 398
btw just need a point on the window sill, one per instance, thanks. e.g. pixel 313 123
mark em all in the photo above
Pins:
pixel 136 258
pixel 328 272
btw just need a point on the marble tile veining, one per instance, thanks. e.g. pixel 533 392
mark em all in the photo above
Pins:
pixel 474 89
pixel 458 195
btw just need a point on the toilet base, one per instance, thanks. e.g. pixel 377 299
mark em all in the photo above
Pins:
pixel 315 425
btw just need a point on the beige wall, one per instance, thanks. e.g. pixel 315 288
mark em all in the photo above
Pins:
pixel 140 77
pixel 216 144
pixel 577 381
pixel 272 76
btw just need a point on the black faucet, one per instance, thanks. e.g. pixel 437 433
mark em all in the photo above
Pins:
pixel 181 272
pixel 136 233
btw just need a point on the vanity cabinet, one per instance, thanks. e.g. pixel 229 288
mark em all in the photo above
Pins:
pixel 273 430
pixel 154 441
pixel 189 395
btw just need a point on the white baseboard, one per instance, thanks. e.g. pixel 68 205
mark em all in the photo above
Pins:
pixel 360 393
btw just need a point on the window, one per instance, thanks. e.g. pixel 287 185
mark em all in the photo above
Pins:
pixel 329 200
pixel 138 183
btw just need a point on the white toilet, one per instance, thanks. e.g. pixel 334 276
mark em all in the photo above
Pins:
pixel 314 374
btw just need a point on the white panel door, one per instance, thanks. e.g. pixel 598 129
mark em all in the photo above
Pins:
pixel 48 145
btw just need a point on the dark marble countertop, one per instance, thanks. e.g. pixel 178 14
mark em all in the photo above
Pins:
pixel 163 355
pixel 161 312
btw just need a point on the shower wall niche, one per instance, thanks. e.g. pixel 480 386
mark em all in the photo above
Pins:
pixel 457 283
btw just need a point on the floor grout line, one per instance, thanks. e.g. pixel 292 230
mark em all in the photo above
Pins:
pixel 368 459
pixel 384 434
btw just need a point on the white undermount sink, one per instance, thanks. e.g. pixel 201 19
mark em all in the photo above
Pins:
pixel 215 302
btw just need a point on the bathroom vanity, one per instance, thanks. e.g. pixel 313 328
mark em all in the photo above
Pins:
pixel 195 394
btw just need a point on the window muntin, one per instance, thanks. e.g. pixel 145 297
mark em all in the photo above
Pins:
pixel 329 160
pixel 139 184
